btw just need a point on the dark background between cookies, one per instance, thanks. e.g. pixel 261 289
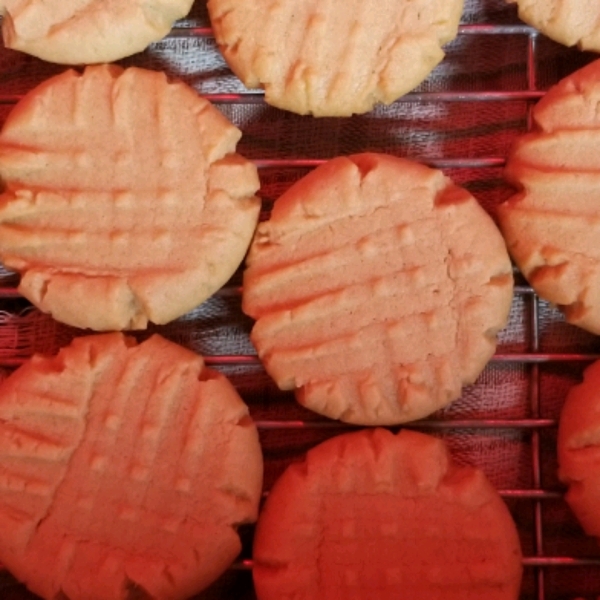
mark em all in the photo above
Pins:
pixel 426 128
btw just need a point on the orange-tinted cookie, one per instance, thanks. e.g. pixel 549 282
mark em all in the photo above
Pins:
pixel 551 226
pixel 378 287
pixel 124 199
pixel 579 450
pixel 375 515
pixel 124 471
pixel 569 22
pixel 78 32
pixel 333 58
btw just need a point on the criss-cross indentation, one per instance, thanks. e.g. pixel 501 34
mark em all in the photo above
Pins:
pixel 552 225
pixel 380 296
pixel 123 176
pixel 368 513
pixel 335 57
pixel 152 470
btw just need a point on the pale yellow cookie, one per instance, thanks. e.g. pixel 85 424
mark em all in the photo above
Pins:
pixel 569 22
pixel 552 225
pixel 579 450
pixel 372 515
pixel 333 58
pixel 124 471
pixel 124 201
pixel 378 287
pixel 77 32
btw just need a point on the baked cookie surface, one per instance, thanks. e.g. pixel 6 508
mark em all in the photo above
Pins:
pixel 569 22
pixel 333 58
pixel 78 32
pixel 376 515
pixel 378 287
pixel 551 226
pixel 124 199
pixel 125 471
pixel 578 449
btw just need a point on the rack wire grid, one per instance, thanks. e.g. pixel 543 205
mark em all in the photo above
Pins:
pixel 462 120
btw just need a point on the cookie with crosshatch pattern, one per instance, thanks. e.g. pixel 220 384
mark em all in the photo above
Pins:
pixel 125 470
pixel 373 515
pixel 333 58
pixel 570 22
pixel 378 287
pixel 79 32
pixel 125 201
pixel 551 225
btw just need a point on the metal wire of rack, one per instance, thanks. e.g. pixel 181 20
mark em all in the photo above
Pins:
pixel 540 562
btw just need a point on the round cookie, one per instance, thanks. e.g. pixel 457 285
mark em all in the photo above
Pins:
pixel 378 287
pixel 551 226
pixel 376 515
pixel 333 58
pixel 76 32
pixel 568 22
pixel 125 471
pixel 124 200
pixel 579 450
